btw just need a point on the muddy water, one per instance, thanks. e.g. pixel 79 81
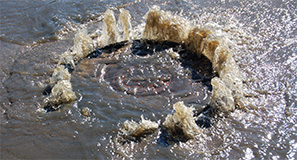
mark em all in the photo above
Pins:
pixel 34 34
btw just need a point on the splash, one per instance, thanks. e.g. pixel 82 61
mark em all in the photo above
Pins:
pixel 221 95
pixel 182 122
pixel 227 92
pixel 133 131
pixel 83 45
pixel 60 88
pixel 125 24
pixel 163 26
pixel 110 30
pixel 61 93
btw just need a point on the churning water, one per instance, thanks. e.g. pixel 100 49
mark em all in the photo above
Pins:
pixel 134 83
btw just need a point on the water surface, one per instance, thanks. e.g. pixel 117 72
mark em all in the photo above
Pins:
pixel 34 33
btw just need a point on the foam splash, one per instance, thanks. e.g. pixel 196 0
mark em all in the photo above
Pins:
pixel 221 96
pixel 60 73
pixel 227 93
pixel 182 122
pixel 66 60
pixel 110 30
pixel 125 24
pixel 61 93
pixel 133 131
pixel 162 26
pixel 83 45
pixel 60 88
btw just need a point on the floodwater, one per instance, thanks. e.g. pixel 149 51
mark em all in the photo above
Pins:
pixel 33 34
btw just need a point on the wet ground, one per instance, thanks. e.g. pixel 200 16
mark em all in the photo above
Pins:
pixel 34 33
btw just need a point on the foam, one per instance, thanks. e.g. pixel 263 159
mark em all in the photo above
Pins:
pixel 83 45
pixel 60 81
pixel 182 122
pixel 195 38
pixel 132 130
pixel 162 26
pixel 60 73
pixel 227 92
pixel 125 24
pixel 67 60
pixel 61 93
pixel 110 30
pixel 221 96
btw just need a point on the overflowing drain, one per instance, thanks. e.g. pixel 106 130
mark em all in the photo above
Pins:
pixel 205 56
pixel 140 84
pixel 146 74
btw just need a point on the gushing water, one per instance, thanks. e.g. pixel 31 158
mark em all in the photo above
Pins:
pixel 237 101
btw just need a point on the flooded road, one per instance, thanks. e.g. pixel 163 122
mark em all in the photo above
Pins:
pixel 33 34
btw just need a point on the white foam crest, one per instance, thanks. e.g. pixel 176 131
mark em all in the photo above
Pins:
pixel 110 31
pixel 124 24
pixel 182 119
pixel 83 44
pixel 133 130
pixel 60 73
pixel 61 93
pixel 163 26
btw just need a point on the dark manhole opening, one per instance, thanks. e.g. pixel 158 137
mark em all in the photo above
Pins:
pixel 200 67
pixel 138 84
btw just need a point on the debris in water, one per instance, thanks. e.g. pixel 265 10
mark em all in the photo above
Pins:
pixel 86 111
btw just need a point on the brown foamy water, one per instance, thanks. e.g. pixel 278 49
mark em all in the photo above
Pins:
pixel 261 36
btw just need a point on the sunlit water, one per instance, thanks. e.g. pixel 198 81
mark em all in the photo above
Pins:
pixel 34 34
